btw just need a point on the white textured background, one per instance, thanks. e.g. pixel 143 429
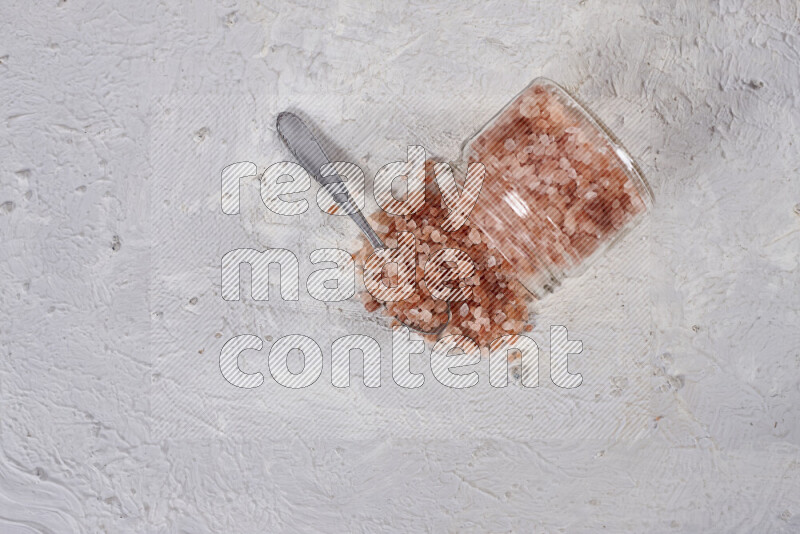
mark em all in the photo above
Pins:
pixel 704 94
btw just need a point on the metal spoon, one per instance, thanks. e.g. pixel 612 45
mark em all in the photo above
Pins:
pixel 308 152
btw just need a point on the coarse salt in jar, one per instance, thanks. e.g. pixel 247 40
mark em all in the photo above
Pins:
pixel 558 190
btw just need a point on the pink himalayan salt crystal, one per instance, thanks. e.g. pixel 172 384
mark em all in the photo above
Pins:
pixel 475 236
pixel 528 108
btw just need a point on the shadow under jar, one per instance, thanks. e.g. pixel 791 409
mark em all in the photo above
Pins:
pixel 558 190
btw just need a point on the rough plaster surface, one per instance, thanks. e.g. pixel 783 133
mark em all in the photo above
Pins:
pixel 704 94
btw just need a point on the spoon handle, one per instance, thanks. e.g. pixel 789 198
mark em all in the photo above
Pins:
pixel 305 148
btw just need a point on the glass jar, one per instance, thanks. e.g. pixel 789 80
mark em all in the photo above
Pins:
pixel 558 190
